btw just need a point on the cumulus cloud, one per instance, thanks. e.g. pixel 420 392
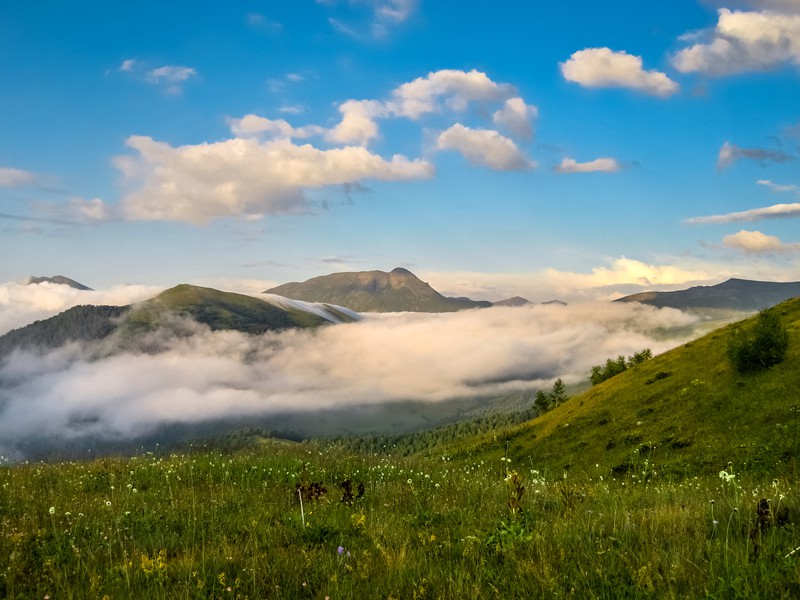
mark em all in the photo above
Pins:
pixel 458 88
pixel 776 211
pixel 21 304
pixel 755 242
pixel 227 374
pixel 358 124
pixel 243 177
pixel 15 177
pixel 730 153
pixel 605 68
pixel 484 147
pixel 517 118
pixel 602 165
pixel 610 280
pixel 261 127
pixel 744 41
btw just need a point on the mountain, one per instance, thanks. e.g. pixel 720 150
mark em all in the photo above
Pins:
pixel 733 294
pixel 59 280
pixel 216 309
pixel 375 291
pixel 515 301
pixel 683 412
pixel 80 323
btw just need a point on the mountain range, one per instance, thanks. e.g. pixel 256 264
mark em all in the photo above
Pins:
pixel 174 309
pixel 734 294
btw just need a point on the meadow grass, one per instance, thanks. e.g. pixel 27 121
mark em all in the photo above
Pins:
pixel 206 524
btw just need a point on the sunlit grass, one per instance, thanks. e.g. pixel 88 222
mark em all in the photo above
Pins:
pixel 211 525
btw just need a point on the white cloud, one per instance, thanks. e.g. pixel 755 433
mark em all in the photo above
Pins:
pixel 173 74
pixel 21 304
pixel 730 153
pixel 604 68
pixel 89 210
pixel 744 41
pixel 776 187
pixel 517 118
pixel 603 165
pixel 395 10
pixel 227 374
pixel 458 88
pixel 776 211
pixel 484 147
pixel 358 124
pixel 15 177
pixel 128 65
pixel 243 177
pixel 261 127
pixel 376 21
pixel 755 242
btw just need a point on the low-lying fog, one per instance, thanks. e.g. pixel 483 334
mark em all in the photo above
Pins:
pixel 384 358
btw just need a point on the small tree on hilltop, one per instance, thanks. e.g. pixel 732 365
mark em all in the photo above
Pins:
pixel 761 347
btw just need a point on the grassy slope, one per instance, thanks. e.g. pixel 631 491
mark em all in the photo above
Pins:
pixel 699 418
pixel 219 310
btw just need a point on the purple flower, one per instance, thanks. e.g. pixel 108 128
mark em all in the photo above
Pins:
pixel 340 550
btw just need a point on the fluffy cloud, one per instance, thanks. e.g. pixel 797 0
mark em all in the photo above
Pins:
pixel 603 68
pixel 776 211
pixel 484 147
pixel 15 177
pixel 517 118
pixel 358 124
pixel 243 177
pixel 21 304
pixel 603 165
pixel 458 88
pixel 755 242
pixel 261 127
pixel 226 374
pixel 744 41
pixel 730 153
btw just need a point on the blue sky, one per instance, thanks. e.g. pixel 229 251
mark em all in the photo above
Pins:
pixel 589 149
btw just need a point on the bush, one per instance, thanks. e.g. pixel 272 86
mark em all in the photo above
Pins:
pixel 601 373
pixel 761 347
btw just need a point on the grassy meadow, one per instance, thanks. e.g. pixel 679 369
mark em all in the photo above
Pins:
pixel 217 525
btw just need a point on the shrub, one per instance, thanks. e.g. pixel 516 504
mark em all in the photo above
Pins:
pixel 763 346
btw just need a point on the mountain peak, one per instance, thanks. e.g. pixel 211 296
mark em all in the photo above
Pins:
pixel 58 280
pixel 375 291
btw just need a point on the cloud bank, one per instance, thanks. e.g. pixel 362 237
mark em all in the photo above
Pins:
pixel 387 358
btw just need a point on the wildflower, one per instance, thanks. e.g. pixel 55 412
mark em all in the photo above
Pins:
pixel 340 550
pixel 52 510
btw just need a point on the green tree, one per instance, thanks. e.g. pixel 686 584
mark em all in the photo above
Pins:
pixel 542 401
pixel 761 347
pixel 558 393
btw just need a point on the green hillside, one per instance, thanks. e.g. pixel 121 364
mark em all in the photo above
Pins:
pixel 680 413
pixel 219 310
pixel 375 291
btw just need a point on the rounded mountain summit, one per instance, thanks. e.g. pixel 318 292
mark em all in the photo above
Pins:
pixel 375 291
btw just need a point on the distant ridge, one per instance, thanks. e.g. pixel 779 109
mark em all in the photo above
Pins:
pixel 375 291
pixel 59 280
pixel 515 301
pixel 170 311
pixel 734 294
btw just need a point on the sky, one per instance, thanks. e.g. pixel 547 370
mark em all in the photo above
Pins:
pixel 579 150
